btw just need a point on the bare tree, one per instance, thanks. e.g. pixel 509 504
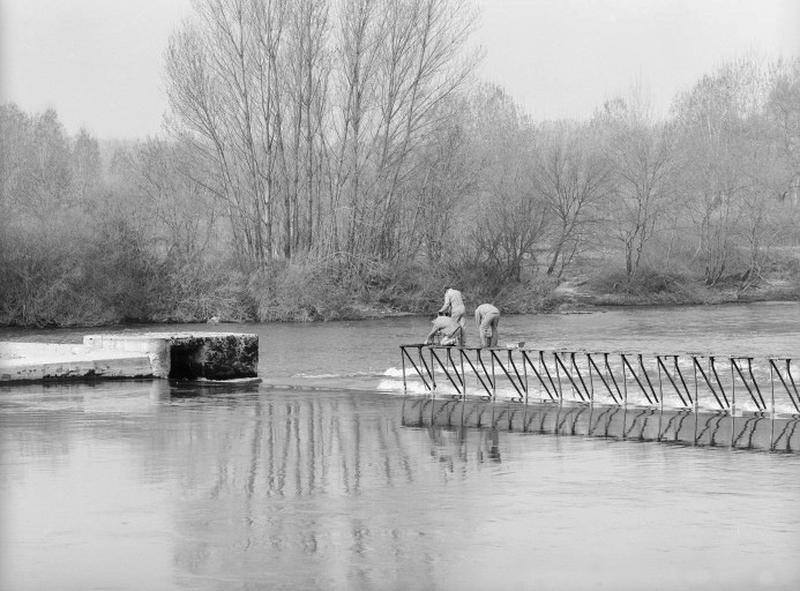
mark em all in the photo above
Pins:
pixel 573 180
pixel 642 157
pixel 312 111
pixel 508 218
pixel 727 151
pixel 420 71
pixel 445 177
pixel 783 111
pixel 223 94
pixel 176 214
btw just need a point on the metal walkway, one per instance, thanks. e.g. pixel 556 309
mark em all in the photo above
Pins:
pixel 723 389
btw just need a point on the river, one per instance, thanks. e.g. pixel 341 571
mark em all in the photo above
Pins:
pixel 310 480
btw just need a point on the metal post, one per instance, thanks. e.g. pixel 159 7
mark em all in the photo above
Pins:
pixel 696 401
pixel 541 372
pixel 713 370
pixel 525 373
pixel 591 386
pixel 433 387
pixel 403 362
pixel 558 379
pixel 796 398
pixel 494 378
pixel 624 384
pixel 464 375
pixel 772 402
pixel 733 404
pixel 660 399
pixel 433 372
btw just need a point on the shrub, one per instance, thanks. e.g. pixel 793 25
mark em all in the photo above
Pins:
pixel 528 296
pixel 43 269
pixel 302 291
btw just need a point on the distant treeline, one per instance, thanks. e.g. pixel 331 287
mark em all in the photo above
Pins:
pixel 335 158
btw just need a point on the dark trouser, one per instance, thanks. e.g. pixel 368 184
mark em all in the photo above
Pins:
pixel 488 329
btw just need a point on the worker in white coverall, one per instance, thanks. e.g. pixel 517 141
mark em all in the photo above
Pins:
pixel 445 331
pixel 487 317
pixel 454 307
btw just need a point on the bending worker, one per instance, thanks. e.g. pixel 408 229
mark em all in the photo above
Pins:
pixel 445 331
pixel 487 317
pixel 454 307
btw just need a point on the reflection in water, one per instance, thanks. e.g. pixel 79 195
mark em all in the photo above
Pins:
pixel 329 490
pixel 760 431
pixel 298 479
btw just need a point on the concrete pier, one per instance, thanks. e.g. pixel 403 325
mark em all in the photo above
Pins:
pixel 207 356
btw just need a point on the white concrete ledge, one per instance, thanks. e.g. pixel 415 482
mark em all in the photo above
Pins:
pixel 43 361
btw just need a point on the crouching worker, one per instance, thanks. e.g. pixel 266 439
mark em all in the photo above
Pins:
pixel 445 331
pixel 487 317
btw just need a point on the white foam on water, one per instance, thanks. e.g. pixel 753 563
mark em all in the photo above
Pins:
pixel 396 387
pixel 505 391
pixel 318 376
pixel 334 376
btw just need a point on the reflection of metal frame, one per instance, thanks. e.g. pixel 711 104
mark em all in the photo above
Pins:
pixel 642 417
pixel 754 431
pixel 788 430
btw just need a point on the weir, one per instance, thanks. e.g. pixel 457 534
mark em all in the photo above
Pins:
pixel 696 399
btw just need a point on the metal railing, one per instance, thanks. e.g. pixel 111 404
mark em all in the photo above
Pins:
pixel 722 383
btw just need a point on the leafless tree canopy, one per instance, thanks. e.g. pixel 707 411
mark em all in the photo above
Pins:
pixel 313 118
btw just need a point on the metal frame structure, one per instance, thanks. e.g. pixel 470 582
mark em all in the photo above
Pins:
pixel 627 395
pixel 619 378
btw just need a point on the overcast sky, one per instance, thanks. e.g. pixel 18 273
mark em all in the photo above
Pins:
pixel 99 62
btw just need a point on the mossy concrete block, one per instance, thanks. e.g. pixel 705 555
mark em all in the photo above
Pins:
pixel 218 357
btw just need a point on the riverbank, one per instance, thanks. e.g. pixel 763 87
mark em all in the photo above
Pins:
pixel 567 299
pixel 572 296
pixel 318 298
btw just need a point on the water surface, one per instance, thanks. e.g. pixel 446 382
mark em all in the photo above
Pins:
pixel 311 481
